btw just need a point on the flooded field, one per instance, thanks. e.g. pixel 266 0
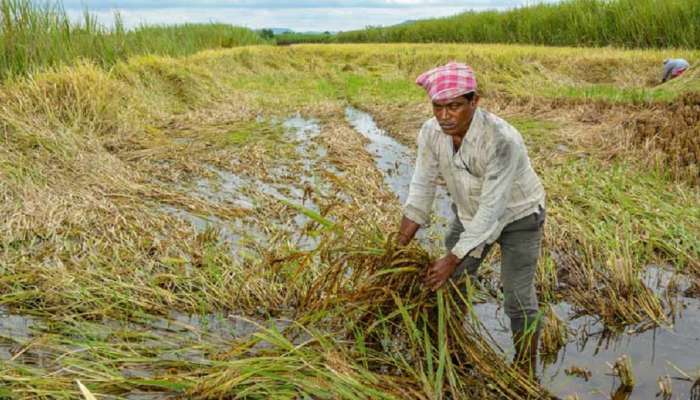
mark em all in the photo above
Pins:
pixel 656 353
pixel 235 238
pixel 582 367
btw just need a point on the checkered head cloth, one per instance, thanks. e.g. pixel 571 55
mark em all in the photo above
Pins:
pixel 448 81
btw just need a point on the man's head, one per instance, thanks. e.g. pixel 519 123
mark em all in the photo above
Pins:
pixel 455 115
pixel 452 90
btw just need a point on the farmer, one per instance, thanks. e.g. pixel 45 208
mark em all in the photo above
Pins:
pixel 496 195
pixel 673 68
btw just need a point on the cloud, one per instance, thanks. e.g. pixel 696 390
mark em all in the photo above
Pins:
pixel 299 15
pixel 318 19
pixel 284 4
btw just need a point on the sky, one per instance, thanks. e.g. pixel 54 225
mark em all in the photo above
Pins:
pixel 300 16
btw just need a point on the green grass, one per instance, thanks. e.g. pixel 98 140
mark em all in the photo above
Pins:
pixel 253 132
pixel 622 23
pixel 293 37
pixel 611 93
pixel 605 201
pixel 388 71
pixel 365 88
pixel 36 35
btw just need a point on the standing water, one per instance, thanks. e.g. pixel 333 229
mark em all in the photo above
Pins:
pixel 285 184
pixel 396 162
pixel 665 351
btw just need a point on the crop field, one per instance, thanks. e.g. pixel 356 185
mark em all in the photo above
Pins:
pixel 222 225
pixel 35 35
pixel 579 23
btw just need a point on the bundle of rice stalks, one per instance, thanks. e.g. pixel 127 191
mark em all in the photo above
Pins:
pixel 672 130
pixel 389 333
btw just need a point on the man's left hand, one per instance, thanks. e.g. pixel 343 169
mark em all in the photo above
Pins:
pixel 440 271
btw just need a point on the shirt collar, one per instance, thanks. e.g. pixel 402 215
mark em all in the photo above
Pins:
pixel 475 126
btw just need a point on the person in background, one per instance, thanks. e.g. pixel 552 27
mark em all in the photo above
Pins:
pixel 673 68
pixel 496 194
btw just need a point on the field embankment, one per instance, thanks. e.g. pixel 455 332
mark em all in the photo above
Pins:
pixel 212 225
pixel 37 35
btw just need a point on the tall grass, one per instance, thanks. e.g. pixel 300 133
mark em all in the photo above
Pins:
pixel 293 37
pixel 622 23
pixel 36 35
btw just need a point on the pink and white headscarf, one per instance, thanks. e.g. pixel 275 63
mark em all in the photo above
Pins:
pixel 448 81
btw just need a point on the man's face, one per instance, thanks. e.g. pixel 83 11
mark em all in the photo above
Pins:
pixel 455 115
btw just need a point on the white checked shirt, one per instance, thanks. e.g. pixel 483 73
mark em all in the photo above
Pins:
pixel 489 178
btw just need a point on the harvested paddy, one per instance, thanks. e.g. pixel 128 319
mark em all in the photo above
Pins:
pixel 233 238
pixel 590 346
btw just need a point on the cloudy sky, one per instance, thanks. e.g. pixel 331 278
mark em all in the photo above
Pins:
pixel 304 15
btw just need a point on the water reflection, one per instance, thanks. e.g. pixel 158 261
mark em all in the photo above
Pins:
pixel 397 162
pixel 290 185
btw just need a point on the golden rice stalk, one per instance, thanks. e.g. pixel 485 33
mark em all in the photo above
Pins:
pixel 665 389
pixel 579 372
pixel 86 393
pixel 623 370
pixel 555 333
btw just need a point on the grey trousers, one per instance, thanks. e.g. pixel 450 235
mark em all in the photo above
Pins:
pixel 520 249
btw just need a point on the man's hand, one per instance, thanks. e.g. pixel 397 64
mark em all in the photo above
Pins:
pixel 440 271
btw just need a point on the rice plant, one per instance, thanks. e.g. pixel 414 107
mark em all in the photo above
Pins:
pixel 37 35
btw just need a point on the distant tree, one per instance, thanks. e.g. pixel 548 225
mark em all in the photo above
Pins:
pixel 267 33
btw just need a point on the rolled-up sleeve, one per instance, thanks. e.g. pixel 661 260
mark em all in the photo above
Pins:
pixel 421 192
pixel 668 68
pixel 501 170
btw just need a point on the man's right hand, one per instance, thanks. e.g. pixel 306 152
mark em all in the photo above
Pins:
pixel 407 231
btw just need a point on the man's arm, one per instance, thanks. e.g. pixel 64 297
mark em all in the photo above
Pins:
pixel 668 68
pixel 498 181
pixel 421 192
pixel 407 230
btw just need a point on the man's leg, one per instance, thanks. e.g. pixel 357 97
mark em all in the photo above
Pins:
pixel 520 248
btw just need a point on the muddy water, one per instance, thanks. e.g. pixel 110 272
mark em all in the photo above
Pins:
pixel 654 353
pixel 285 185
pixel 15 330
pixel 396 161
pixel 303 131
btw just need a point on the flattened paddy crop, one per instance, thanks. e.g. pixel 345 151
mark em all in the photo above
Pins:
pixel 222 226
